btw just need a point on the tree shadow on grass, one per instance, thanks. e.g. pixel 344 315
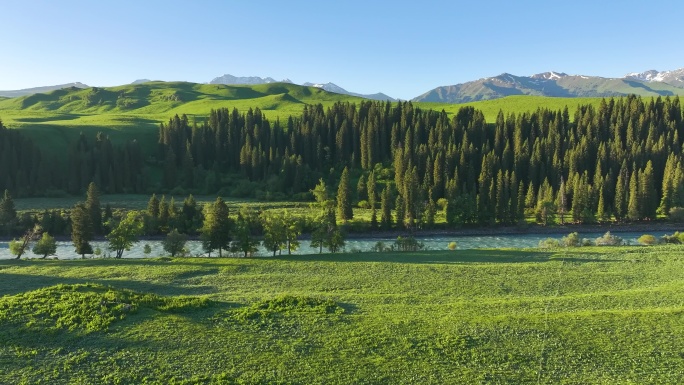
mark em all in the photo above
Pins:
pixel 450 257
pixel 11 284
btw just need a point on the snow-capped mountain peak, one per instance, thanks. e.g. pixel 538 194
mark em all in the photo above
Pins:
pixel 551 75
pixel 674 77
pixel 330 87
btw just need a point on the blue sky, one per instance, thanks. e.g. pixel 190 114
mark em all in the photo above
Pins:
pixel 401 48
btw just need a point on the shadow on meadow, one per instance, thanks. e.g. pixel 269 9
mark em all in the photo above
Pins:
pixel 11 284
pixel 452 257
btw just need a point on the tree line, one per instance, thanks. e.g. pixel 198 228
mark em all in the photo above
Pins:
pixel 26 171
pixel 621 160
pixel 218 229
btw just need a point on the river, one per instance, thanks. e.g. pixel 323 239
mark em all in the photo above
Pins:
pixel 65 250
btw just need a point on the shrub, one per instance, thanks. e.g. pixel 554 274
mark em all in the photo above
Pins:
pixel 676 238
pixel 571 240
pixel 677 214
pixel 363 205
pixel 647 239
pixel 587 242
pixel 452 245
pixel 548 243
pixel 609 239
pixel 379 247
pixel 408 244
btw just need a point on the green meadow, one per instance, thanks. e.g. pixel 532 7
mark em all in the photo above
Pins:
pixel 564 316
pixel 55 119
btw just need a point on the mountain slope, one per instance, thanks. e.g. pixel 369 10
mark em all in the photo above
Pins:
pixel 163 97
pixel 332 87
pixel 555 84
pixel 228 79
pixel 674 78
pixel 250 80
pixel 35 90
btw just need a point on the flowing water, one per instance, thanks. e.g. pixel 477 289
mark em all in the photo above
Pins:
pixel 65 250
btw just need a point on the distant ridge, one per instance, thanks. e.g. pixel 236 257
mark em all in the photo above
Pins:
pixel 330 87
pixel 38 90
pixel 559 84
pixel 250 80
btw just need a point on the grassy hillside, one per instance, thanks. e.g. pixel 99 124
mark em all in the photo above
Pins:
pixel 132 111
pixel 516 104
pixel 594 315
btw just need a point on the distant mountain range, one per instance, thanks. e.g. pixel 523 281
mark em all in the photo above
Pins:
pixel 649 83
pixel 330 87
pixel 554 84
pixel 40 90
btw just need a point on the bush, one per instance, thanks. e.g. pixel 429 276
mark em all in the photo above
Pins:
pixel 677 214
pixel 647 239
pixel 548 243
pixel 609 239
pixel 677 238
pixel 379 247
pixel 571 240
pixel 587 242
pixel 408 244
pixel 452 245
pixel 363 205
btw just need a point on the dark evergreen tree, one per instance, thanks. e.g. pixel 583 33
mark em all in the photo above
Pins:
pixel 92 204
pixel 344 205
pixel 8 213
pixel 81 229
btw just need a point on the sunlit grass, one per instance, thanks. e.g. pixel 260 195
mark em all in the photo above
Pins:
pixel 589 315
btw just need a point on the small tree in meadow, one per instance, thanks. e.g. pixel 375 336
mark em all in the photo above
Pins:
pixel 174 242
pixel 45 246
pixel 126 233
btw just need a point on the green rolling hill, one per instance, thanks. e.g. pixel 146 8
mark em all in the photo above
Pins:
pixel 134 111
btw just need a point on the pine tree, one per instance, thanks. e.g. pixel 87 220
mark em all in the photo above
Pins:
pixel 163 219
pixel 647 193
pixel 633 205
pixel 217 226
pixel 344 206
pixel 361 189
pixel 81 229
pixel 399 212
pixel 621 194
pixel 562 201
pixel 8 213
pixel 370 187
pixel 385 209
pixel 92 204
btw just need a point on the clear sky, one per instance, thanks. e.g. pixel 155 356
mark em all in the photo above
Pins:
pixel 397 47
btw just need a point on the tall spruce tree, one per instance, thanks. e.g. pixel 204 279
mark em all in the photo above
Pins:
pixel 92 204
pixel 8 213
pixel 81 229
pixel 370 187
pixel 633 202
pixel 385 209
pixel 344 205
pixel 217 227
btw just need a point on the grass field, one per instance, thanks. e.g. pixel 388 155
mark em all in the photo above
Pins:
pixel 566 316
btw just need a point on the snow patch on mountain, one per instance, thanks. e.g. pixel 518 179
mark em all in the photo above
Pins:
pixel 674 77
pixel 551 75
